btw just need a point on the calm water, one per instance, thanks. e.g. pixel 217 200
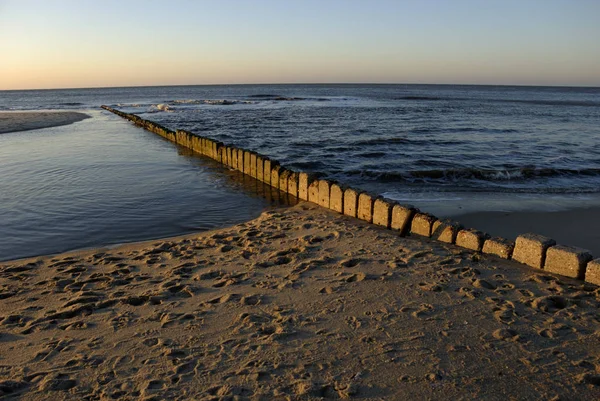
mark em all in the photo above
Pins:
pixel 446 149
pixel 102 181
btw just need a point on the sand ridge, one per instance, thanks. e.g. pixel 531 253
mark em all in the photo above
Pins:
pixel 301 303
pixel 24 121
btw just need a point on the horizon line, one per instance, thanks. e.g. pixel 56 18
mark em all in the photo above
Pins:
pixel 304 83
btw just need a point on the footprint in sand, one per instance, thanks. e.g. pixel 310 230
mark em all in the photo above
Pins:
pixel 57 382
pixel 327 290
pixel 151 342
pixel 52 349
pixel 505 334
pixel 79 325
pixel 423 312
pixel 186 367
pixel 225 281
pixel 354 278
pixel 478 283
pixel 252 300
pixel 551 304
pixel 169 319
pixel 14 320
pixel 350 262
pixel 224 299
pixel 152 386
pixel 105 378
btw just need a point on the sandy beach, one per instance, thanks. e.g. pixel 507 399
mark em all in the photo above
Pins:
pixel 25 121
pixel 300 200
pixel 301 303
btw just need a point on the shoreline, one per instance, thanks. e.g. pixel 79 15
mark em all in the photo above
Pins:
pixel 249 310
pixel 18 121
pixel 573 227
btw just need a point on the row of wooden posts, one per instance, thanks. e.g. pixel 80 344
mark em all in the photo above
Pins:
pixel 530 249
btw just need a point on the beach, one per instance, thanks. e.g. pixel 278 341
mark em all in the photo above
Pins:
pixel 25 121
pixel 300 303
pixel 300 201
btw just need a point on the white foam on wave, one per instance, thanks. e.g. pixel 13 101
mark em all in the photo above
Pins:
pixel 160 107
pixel 187 101
pixel 216 102
pixel 128 105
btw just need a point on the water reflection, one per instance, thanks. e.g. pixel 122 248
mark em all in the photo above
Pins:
pixel 238 180
pixel 103 181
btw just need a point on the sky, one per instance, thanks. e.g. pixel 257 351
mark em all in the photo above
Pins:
pixel 88 43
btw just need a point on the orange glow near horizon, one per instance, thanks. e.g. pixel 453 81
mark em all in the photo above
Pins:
pixel 80 44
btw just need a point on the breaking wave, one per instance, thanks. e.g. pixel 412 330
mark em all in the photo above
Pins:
pixel 218 102
pixel 160 107
pixel 404 140
pixel 582 103
pixel 286 98
pixel 130 105
pixel 467 174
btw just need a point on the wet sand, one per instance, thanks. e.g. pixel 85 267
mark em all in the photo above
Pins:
pixel 25 121
pixel 578 227
pixel 299 304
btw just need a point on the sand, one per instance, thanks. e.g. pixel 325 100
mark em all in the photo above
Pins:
pixel 299 304
pixel 25 121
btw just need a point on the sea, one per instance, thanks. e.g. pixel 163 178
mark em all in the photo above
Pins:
pixel 446 149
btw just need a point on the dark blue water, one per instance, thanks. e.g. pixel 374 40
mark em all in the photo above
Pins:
pixel 447 149
pixel 407 137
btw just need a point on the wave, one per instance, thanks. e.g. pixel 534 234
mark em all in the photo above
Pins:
pixel 276 97
pixel 421 98
pixel 371 155
pixel 218 102
pixel 160 107
pixel 185 101
pixel 169 106
pixel 433 141
pixel 286 98
pixel 309 165
pixel 582 103
pixel 381 141
pixel 430 130
pixel 265 96
pixel 468 174
pixel 130 105
pixel 255 99
pixel 403 140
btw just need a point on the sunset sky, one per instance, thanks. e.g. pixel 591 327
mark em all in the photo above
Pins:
pixel 85 43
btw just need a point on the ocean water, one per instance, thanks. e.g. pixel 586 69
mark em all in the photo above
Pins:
pixel 444 148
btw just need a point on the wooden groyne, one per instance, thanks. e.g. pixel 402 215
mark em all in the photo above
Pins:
pixel 533 250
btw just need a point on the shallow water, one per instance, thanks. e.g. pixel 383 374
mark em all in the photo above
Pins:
pixel 102 181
